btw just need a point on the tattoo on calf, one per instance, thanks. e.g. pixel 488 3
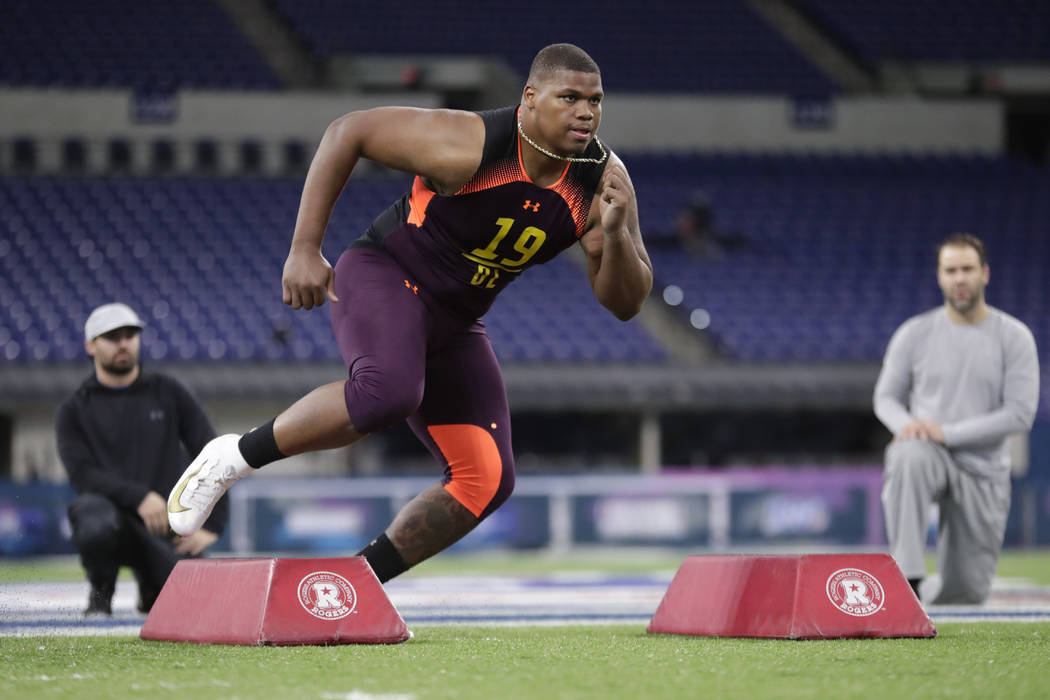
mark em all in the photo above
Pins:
pixel 429 523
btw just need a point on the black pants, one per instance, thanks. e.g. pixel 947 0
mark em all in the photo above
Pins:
pixel 109 537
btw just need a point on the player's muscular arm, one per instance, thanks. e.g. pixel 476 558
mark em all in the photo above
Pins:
pixel 618 266
pixel 444 146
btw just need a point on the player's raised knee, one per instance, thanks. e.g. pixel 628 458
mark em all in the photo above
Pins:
pixel 478 476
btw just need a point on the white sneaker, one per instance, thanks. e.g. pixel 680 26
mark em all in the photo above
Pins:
pixel 202 484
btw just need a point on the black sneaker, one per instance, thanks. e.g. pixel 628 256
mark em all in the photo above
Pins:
pixel 146 601
pixel 100 602
pixel 147 593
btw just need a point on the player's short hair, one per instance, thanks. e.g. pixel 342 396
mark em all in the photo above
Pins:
pixel 963 240
pixel 561 56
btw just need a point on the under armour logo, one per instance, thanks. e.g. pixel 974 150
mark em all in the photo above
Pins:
pixel 529 205
pixel 156 414
pixel 413 287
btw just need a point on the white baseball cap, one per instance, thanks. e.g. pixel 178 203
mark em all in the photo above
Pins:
pixel 109 317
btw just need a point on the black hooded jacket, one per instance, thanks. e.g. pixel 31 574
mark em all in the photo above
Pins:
pixel 124 443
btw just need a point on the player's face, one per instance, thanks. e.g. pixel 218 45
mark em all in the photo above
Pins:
pixel 961 277
pixel 568 109
pixel 117 352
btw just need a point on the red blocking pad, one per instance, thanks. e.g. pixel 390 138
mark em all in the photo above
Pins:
pixel 812 596
pixel 274 601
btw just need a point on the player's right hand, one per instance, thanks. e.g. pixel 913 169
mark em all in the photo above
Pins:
pixel 307 279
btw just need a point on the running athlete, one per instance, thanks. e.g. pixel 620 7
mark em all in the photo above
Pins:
pixel 956 381
pixel 495 192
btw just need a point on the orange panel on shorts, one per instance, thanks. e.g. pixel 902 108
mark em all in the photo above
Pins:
pixel 475 463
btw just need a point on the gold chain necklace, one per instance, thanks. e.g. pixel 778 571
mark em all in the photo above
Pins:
pixel 570 159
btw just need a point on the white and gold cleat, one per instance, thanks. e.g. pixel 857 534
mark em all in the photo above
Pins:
pixel 202 484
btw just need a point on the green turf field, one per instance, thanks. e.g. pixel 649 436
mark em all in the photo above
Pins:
pixel 542 663
pixel 966 660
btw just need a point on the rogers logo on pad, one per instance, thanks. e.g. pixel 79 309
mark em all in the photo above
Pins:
pixel 855 592
pixel 327 596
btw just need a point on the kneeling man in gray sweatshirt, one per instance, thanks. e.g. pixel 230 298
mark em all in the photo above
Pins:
pixel 955 382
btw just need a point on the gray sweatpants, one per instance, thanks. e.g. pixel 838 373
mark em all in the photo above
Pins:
pixel 973 513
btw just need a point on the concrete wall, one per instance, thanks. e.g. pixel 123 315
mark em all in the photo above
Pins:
pixel 631 123
pixel 96 117
pixel 188 114
pixel 856 124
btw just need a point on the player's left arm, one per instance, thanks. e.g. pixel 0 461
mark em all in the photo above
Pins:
pixel 618 266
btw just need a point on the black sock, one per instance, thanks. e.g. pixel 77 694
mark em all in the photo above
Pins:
pixel 914 583
pixel 384 558
pixel 258 446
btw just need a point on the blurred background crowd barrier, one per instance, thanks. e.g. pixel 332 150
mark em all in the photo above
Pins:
pixel 741 509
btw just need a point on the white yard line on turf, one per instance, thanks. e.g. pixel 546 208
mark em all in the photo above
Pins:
pixel 55 609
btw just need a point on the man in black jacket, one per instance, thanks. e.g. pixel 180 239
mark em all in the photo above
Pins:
pixel 125 437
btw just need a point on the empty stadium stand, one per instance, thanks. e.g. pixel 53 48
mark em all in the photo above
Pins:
pixel 201 258
pixel 705 46
pixel 191 225
pixel 928 30
pixel 838 251
pixel 150 45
